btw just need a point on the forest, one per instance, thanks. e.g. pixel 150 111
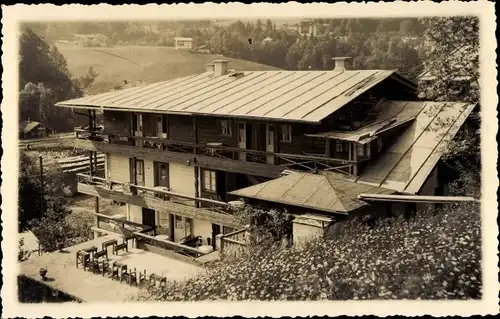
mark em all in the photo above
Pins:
pixel 372 44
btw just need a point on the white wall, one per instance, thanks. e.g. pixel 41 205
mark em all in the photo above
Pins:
pixel 182 179
pixel 429 187
pixel 135 213
pixel 149 173
pixel 304 232
pixel 202 228
pixel 118 168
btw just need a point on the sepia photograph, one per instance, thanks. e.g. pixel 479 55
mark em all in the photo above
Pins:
pixel 237 157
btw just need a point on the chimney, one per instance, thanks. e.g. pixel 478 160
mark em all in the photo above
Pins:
pixel 210 67
pixel 340 63
pixel 220 67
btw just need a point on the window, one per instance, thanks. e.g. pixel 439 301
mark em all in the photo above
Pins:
pixel 226 128
pixel 338 146
pixel 178 222
pixel 209 181
pixel 286 133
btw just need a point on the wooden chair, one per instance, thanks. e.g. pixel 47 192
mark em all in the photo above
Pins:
pixel 115 271
pixel 152 280
pixel 132 277
pixel 97 265
pixel 83 258
pixel 142 278
pixel 122 246
pixel 124 275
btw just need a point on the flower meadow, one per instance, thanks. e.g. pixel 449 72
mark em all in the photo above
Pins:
pixel 434 255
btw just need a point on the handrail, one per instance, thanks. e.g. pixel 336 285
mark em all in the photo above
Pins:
pixel 155 190
pixel 144 228
pixel 229 149
pixel 171 243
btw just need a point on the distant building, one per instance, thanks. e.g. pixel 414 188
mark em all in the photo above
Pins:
pixel 203 49
pixel 308 28
pixel 92 40
pixel 183 43
pixel 31 129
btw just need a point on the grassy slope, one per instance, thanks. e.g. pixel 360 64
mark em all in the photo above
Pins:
pixel 152 64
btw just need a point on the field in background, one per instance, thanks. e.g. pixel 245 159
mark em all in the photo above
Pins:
pixel 141 63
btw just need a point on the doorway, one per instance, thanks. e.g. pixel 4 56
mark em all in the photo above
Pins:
pixel 242 140
pixel 161 174
pixel 148 217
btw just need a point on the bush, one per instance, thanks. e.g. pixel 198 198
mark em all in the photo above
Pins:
pixel 433 256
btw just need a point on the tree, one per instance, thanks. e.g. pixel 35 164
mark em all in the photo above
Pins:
pixel 87 80
pixel 451 53
pixel 450 50
pixel 30 205
pixel 44 79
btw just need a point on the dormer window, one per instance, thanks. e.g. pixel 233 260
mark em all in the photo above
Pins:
pixel 226 128
pixel 286 133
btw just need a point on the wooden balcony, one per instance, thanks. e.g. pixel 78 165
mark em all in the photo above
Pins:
pixel 216 157
pixel 158 199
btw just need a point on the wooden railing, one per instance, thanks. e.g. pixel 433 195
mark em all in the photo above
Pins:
pixel 235 243
pixel 285 160
pixel 160 193
pixel 169 245
pixel 143 234
pixel 122 226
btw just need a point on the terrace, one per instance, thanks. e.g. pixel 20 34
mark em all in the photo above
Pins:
pixel 93 284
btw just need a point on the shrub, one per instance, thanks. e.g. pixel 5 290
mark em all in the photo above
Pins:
pixel 436 255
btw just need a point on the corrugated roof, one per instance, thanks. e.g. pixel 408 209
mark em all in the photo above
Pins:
pixel 325 192
pixel 405 165
pixel 388 115
pixel 307 96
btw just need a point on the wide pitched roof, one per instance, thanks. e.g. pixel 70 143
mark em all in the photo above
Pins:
pixel 406 164
pixel 306 96
pixel 327 191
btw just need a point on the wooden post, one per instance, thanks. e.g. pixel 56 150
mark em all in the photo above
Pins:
pixel 196 182
pixel 42 201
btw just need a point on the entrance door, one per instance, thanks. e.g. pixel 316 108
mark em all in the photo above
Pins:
pixel 242 140
pixel 148 217
pixel 270 142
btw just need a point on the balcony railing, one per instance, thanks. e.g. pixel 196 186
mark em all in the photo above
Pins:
pixel 144 234
pixel 303 161
pixel 160 192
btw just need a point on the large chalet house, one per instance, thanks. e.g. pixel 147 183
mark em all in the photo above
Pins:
pixel 181 153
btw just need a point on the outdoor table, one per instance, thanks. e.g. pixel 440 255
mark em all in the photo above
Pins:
pixel 112 242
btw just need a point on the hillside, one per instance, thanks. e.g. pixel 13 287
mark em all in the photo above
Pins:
pixel 141 63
